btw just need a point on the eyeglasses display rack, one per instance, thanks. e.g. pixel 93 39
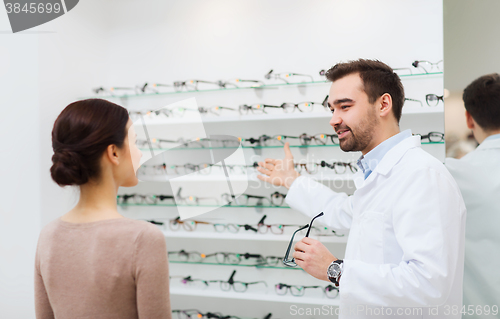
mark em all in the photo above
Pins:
pixel 153 200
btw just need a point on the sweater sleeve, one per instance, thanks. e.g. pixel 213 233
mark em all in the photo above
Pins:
pixel 151 275
pixel 43 309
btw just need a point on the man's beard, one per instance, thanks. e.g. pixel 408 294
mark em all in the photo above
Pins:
pixel 359 140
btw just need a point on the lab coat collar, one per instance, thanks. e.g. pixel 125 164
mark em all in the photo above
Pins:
pixel 388 161
pixel 489 144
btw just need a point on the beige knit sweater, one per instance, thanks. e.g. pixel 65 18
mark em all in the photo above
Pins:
pixel 109 269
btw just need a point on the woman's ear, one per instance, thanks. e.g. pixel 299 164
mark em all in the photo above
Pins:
pixel 112 154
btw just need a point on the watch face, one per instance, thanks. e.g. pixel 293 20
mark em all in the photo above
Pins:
pixel 334 270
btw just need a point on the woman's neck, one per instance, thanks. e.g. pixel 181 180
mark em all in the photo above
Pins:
pixel 97 202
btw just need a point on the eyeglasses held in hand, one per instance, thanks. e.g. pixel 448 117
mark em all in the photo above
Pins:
pixel 291 262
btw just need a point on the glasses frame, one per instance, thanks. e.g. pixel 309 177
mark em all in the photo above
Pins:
pixel 428 97
pixel 291 262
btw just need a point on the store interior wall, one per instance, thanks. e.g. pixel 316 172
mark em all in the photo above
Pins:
pixel 471 49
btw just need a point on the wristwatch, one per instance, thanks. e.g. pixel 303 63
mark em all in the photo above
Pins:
pixel 335 271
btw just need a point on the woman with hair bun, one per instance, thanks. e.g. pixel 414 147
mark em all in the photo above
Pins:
pixel 92 262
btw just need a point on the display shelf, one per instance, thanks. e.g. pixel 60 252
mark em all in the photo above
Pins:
pixel 216 178
pixel 271 297
pixel 174 205
pixel 243 147
pixel 233 265
pixel 268 117
pixel 253 147
pixel 265 86
pixel 249 236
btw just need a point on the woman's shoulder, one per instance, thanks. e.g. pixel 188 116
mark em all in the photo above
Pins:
pixel 112 227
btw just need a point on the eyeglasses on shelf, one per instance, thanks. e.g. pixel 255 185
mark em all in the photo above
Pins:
pixel 238 286
pixel 194 200
pixel 298 291
pixel 433 99
pixel 291 262
pixel 232 258
pixel 190 225
pixel 279 140
pixel 149 199
pixel 276 199
pixel 433 137
pixel 338 167
pixel 428 66
pixel 186 256
pixel 285 76
pixel 193 313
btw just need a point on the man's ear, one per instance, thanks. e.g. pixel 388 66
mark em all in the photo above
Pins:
pixel 112 154
pixel 385 105
pixel 469 120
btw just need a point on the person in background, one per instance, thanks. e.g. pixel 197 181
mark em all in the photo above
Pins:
pixel 406 218
pixel 478 176
pixel 92 262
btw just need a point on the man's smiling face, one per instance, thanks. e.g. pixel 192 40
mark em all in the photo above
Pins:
pixel 354 118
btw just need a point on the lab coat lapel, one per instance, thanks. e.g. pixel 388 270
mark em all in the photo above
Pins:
pixel 388 161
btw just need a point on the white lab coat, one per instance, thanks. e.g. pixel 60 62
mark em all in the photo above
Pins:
pixel 478 176
pixel 406 239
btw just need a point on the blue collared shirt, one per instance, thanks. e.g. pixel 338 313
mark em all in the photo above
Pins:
pixel 492 137
pixel 368 162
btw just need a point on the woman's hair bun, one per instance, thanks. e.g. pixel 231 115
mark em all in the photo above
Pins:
pixel 81 134
pixel 68 168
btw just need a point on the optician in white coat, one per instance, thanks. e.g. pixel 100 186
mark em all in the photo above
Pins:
pixel 406 239
pixel 478 176
pixel 405 251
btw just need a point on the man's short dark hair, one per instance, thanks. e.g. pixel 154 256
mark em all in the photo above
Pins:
pixel 482 101
pixel 378 78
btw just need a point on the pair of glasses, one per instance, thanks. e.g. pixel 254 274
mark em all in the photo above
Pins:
pixel 433 137
pixel 291 262
pixel 150 199
pixel 428 66
pixel 216 110
pixel 190 256
pixel 190 225
pixel 190 85
pixel 158 143
pixel 194 200
pixel 233 228
pixel 282 289
pixel 277 199
pixel 433 99
pixel 277 229
pixel 193 313
pixel 285 76
pixel 304 139
pixel 232 258
pixel 238 286
pixel 312 168
pixel 237 83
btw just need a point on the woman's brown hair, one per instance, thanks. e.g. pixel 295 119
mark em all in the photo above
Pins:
pixel 81 134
